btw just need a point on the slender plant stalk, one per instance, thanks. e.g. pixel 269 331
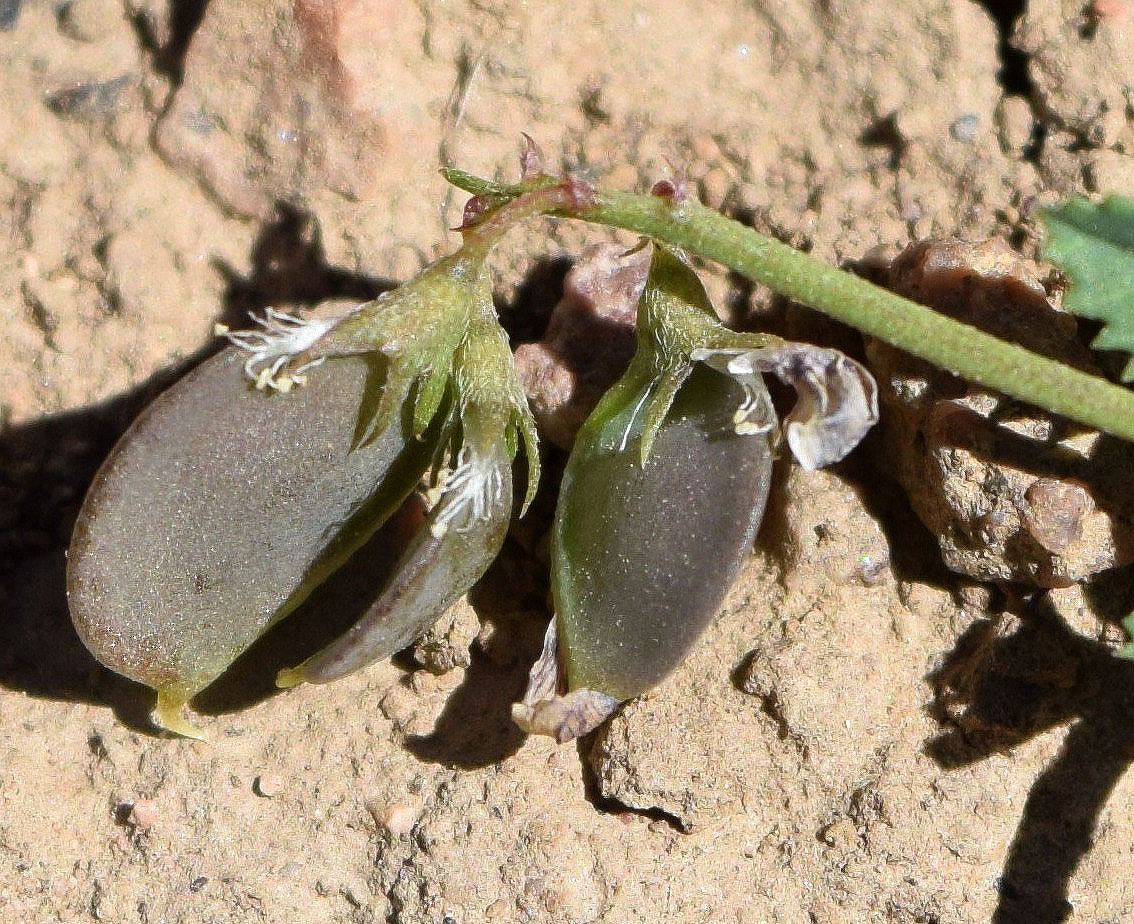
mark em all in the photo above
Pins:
pixel 959 348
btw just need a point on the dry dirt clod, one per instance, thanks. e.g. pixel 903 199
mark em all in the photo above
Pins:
pixel 400 704
pixel 144 814
pixel 1011 493
pixel 268 785
pixel 445 647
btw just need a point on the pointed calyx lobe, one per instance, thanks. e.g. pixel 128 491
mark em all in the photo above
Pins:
pixel 664 491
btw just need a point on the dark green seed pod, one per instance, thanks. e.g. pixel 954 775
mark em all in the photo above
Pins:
pixel 217 513
pixel 659 504
pixel 248 483
pixel 643 554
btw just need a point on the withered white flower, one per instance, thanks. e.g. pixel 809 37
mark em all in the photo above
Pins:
pixel 281 338
pixel 838 398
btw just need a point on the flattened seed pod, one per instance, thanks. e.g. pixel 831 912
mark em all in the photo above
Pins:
pixel 465 529
pixel 217 513
pixel 644 554
pixel 441 563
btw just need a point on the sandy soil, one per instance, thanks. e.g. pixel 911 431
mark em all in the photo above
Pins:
pixel 862 736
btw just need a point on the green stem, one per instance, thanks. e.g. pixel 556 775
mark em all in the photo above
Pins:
pixel 960 348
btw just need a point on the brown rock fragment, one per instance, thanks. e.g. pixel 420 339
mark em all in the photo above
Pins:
pixel 1053 513
pixel 445 647
pixel 589 340
pixel 1012 493
pixel 396 818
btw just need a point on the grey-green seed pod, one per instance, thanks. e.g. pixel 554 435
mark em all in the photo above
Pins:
pixel 446 557
pixel 225 504
pixel 217 513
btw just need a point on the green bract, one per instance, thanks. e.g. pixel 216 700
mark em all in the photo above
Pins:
pixel 663 494
pixel 236 494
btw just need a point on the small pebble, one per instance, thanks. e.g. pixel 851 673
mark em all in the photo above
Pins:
pixel 1053 512
pixel 423 682
pixel 965 128
pixel 143 815
pixel 399 704
pixel 398 818
pixel 497 911
pixel 840 833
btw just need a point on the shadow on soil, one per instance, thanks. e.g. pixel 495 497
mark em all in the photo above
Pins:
pixel 1022 673
pixel 169 53
pixel 1009 679
pixel 475 728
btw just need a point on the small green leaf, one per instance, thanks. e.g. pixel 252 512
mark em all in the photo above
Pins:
pixel 1126 652
pixel 1094 245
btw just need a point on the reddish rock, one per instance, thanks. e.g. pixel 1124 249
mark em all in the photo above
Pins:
pixel 282 100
